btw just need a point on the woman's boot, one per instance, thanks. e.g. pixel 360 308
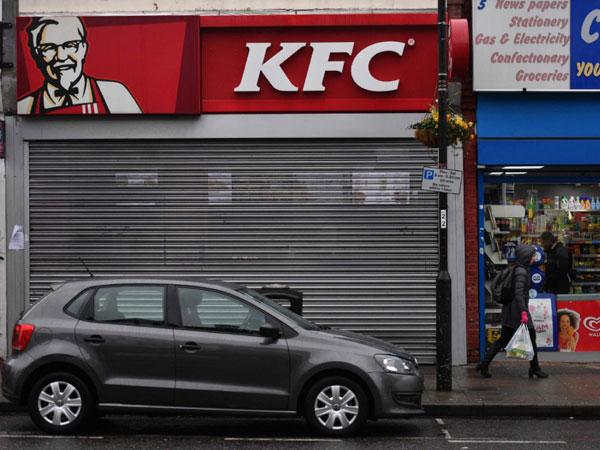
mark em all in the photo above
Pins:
pixel 483 367
pixel 534 369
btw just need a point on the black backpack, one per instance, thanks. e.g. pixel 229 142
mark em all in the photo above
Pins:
pixel 502 286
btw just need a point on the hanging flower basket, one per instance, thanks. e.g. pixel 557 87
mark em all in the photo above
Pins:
pixel 457 131
pixel 427 137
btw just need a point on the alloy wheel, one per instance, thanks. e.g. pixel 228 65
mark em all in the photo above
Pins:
pixel 59 403
pixel 336 407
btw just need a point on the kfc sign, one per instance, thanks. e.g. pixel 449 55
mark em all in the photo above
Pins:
pixel 324 63
pixel 319 64
pixel 107 65
pixel 218 64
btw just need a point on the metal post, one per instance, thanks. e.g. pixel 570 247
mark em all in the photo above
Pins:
pixel 443 282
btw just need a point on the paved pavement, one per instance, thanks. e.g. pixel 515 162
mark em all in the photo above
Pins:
pixel 572 390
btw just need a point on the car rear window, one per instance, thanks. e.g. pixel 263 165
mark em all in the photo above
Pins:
pixel 135 304
pixel 75 306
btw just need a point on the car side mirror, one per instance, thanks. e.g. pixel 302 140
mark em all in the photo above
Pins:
pixel 270 331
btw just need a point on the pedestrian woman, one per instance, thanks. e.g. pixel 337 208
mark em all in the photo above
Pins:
pixel 516 312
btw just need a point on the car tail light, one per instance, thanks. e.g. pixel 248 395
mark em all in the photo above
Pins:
pixel 21 336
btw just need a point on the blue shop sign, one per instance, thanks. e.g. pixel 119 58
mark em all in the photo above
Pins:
pixel 585 44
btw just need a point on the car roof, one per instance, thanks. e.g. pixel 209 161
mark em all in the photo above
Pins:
pixel 101 281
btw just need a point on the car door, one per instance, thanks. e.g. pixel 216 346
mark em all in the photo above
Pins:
pixel 221 359
pixel 124 338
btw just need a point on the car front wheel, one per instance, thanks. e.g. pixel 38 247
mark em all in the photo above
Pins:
pixel 336 406
pixel 60 403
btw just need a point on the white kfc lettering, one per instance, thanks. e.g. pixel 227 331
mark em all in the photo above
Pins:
pixel 360 67
pixel 586 27
pixel 318 66
pixel 319 63
pixel 271 69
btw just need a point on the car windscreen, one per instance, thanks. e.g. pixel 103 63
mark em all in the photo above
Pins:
pixel 301 321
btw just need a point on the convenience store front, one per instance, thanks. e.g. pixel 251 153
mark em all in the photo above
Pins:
pixel 539 170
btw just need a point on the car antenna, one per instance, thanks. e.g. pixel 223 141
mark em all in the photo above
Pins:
pixel 86 267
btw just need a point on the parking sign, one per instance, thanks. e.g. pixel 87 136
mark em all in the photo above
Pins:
pixel 441 180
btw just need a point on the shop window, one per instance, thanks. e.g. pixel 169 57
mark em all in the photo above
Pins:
pixel 518 213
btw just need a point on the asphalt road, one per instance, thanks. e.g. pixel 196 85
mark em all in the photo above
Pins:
pixel 185 432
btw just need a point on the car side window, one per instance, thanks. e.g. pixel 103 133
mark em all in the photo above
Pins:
pixel 137 304
pixel 201 308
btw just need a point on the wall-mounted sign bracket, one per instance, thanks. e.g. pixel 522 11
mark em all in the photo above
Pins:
pixel 4 65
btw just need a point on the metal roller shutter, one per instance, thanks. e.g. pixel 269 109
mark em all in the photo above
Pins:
pixel 343 221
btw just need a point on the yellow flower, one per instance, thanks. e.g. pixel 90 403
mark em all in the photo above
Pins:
pixel 447 116
pixel 472 136
pixel 470 124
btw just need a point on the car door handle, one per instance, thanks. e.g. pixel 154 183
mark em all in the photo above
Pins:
pixel 190 346
pixel 94 339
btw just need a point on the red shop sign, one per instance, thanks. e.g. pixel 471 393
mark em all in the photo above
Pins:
pixel 102 65
pixel 369 62
pixel 216 64
pixel 578 325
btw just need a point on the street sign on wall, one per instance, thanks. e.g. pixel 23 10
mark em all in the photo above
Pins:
pixel 536 45
pixel 441 180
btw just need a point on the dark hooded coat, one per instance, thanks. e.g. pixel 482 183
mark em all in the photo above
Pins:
pixel 558 268
pixel 511 313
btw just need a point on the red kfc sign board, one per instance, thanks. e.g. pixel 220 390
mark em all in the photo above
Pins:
pixel 318 63
pixel 102 65
pixel 216 64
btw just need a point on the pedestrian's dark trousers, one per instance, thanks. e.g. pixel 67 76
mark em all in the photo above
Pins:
pixel 505 337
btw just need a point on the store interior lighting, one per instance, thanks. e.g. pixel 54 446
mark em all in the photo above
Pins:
pixel 522 167
pixel 516 173
pixel 496 173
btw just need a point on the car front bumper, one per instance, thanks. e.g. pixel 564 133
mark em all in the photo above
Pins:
pixel 399 395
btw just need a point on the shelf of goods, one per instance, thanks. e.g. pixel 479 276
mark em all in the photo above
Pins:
pixel 578 229
pixel 500 224
pixel 586 260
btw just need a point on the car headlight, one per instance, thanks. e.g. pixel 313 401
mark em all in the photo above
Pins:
pixel 393 364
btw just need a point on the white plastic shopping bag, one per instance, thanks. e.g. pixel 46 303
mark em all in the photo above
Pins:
pixel 520 346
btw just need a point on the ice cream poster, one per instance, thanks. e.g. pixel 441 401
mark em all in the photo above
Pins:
pixel 578 325
pixel 543 313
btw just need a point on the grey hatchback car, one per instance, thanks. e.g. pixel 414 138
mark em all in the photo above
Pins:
pixel 175 345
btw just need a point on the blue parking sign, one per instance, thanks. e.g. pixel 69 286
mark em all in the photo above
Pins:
pixel 428 174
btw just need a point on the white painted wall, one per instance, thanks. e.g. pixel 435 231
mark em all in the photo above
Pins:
pixel 456 262
pixel 3 242
pixel 3 246
pixel 34 7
